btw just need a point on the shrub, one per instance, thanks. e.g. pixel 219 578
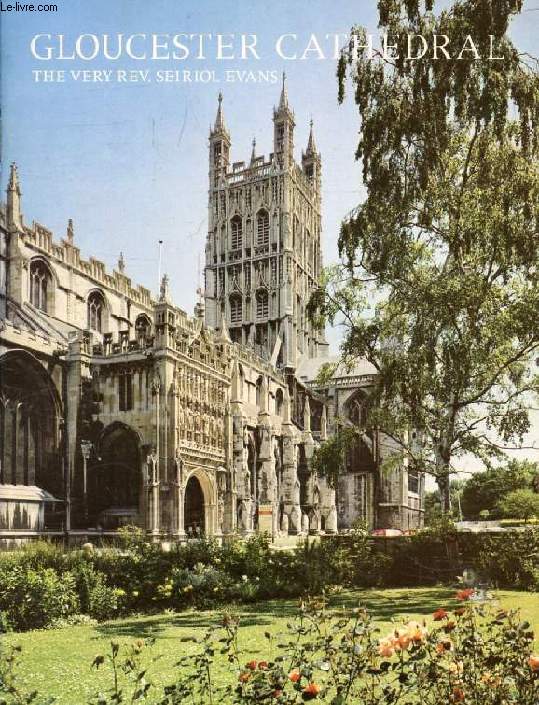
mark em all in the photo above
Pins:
pixel 32 598
pixel 104 602
pixel 509 559
pixel 201 586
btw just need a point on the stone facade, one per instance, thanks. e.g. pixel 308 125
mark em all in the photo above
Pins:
pixel 119 408
pixel 263 255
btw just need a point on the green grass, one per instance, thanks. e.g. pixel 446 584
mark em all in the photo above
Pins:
pixel 57 662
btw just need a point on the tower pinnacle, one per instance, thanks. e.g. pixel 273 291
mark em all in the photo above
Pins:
pixel 14 216
pixel 283 102
pixel 311 145
pixel 220 118
pixel 70 232
pixel 14 179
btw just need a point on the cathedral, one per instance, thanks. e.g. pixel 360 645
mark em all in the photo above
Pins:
pixel 118 408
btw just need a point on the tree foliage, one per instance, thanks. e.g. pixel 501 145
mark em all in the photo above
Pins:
pixel 484 490
pixel 520 504
pixel 438 286
pixel 329 459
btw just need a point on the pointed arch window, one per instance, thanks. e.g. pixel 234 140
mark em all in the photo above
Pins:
pixel 262 304
pixel 235 309
pixel 262 228
pixel 96 311
pixel 237 233
pixel 143 327
pixel 39 284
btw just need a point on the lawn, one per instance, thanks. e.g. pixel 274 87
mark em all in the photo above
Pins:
pixel 57 662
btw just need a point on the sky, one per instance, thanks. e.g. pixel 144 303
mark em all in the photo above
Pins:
pixel 128 162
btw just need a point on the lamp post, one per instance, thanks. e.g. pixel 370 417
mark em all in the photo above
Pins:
pixel 86 450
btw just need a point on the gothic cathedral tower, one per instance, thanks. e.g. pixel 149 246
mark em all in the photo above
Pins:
pixel 263 256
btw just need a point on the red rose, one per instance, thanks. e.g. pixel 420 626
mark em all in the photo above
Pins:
pixel 251 665
pixel 464 595
pixel 439 615
pixel 263 665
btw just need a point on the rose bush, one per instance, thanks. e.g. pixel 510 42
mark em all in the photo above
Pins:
pixel 474 653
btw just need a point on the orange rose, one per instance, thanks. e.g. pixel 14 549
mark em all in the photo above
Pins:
pixel 294 675
pixel 244 677
pixel 386 647
pixel 460 611
pixel 400 639
pixel 312 690
pixel 439 615
pixel 449 626
pixel 533 662
pixel 251 665
pixel 416 631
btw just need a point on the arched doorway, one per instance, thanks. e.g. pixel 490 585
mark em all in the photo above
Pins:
pixel 115 481
pixel 194 514
pixel 30 415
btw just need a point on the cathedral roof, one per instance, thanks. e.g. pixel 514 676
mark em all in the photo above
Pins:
pixel 308 368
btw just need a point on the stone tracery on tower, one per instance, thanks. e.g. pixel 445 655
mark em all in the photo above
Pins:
pixel 263 253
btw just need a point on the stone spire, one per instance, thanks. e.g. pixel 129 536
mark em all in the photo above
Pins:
pixel 283 131
pixel 253 151
pixel 283 101
pixel 220 117
pixel 224 335
pixel 121 263
pixel 164 294
pixel 70 233
pixel 311 145
pixel 14 217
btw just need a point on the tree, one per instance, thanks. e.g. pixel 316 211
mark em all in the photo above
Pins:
pixel 484 490
pixel 438 281
pixel 329 459
pixel 433 503
pixel 520 504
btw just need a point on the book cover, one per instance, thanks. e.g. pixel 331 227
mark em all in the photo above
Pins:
pixel 267 271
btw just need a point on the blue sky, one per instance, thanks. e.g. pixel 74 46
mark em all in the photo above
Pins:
pixel 129 162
